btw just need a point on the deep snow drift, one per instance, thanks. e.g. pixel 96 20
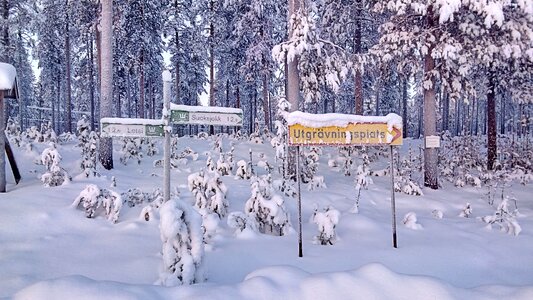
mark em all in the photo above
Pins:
pixel 50 250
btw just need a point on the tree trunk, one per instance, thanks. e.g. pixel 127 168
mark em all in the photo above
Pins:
pixel 430 125
pixel 445 111
pixel 404 108
pixel 266 102
pixel 68 91
pixel 106 108
pixel 358 78
pixel 293 91
pixel 4 56
pixel 491 124
pixel 91 81
pixel 141 86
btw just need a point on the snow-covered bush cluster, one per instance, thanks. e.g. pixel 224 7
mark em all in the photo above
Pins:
pixel 95 200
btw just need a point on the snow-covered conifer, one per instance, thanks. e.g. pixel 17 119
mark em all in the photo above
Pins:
pixel 134 196
pixel 223 167
pixel 197 183
pixel 326 221
pixel 466 212
pixel 243 170
pixel 216 196
pixel 410 221
pixel 210 164
pixel 505 218
pixel 93 198
pixel 183 247
pixel 362 179
pixel 131 150
pixel 55 175
pixel 241 223
pixel 267 208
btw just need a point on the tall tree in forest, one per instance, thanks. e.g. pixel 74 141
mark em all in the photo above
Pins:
pixel 106 108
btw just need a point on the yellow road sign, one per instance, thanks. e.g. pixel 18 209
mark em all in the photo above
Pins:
pixel 352 134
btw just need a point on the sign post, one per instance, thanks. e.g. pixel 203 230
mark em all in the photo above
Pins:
pixel 125 127
pixel 8 75
pixel 167 78
pixel 344 130
pixel 205 115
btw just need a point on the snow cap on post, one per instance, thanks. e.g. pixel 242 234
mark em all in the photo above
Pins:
pixel 167 77
pixel 7 76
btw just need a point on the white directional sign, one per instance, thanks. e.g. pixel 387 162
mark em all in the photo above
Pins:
pixel 124 127
pixel 205 115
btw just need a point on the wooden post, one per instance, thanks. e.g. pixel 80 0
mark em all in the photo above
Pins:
pixel 2 145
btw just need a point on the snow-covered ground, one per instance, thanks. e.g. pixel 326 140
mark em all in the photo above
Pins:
pixel 50 250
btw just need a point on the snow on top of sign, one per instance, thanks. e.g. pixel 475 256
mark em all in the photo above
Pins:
pixel 341 120
pixel 132 121
pixel 7 76
pixel 167 76
pixel 212 109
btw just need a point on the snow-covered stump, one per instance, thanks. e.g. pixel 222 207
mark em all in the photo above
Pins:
pixel 326 220
pixel 183 248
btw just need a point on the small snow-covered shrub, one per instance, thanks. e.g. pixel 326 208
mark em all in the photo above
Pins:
pixel 362 179
pixel 243 170
pixel 410 221
pixel 223 167
pixel 316 182
pixel 437 214
pixel 131 149
pixel 93 198
pixel 467 211
pixel 240 222
pixel 286 186
pixel 88 142
pixel 183 247
pixel 266 208
pixel 210 164
pixel 209 193
pixel 326 220
pixel 504 218
pixel 55 175
pixel 134 196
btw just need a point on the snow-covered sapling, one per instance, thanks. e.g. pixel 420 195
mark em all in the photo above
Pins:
pixel 467 211
pixel 326 220
pixel 88 142
pixel 362 179
pixel 55 175
pixel 92 198
pixel 223 167
pixel 241 223
pixel 131 150
pixel 210 164
pixel 267 208
pixel 216 195
pixel 243 170
pixel 505 218
pixel 183 247
pixel 197 183
pixel 410 221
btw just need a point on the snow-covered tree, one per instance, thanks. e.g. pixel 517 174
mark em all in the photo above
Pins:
pixel 243 170
pixel 467 211
pixel 55 175
pixel 216 196
pixel 326 221
pixel 131 149
pixel 93 199
pixel 362 179
pixel 197 183
pixel 505 218
pixel 88 142
pixel 410 221
pixel 267 208
pixel 183 247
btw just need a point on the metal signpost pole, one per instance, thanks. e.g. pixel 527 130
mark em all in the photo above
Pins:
pixel 167 78
pixel 393 200
pixel 2 146
pixel 300 246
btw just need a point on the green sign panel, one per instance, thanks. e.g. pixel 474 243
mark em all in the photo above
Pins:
pixel 206 118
